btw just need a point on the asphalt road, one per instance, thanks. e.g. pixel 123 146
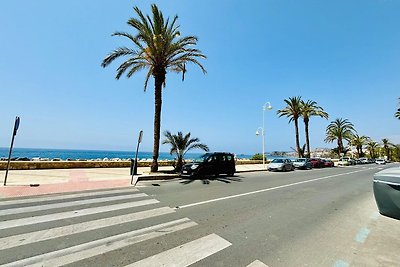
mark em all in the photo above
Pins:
pixel 321 217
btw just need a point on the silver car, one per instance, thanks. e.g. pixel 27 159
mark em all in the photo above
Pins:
pixel 281 165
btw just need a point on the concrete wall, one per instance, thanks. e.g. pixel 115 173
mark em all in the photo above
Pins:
pixel 31 165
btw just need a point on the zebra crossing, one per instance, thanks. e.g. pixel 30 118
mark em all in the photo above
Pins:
pixel 72 229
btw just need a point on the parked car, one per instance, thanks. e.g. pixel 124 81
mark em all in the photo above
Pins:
pixel 380 161
pixel 364 160
pixel 302 163
pixel 345 161
pixel 317 163
pixel 210 164
pixel 328 163
pixel 281 165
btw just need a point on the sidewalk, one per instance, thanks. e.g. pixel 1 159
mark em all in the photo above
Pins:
pixel 38 182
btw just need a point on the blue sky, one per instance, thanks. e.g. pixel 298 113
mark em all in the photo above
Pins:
pixel 343 54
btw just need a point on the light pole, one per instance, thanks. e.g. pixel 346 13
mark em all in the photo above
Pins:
pixel 266 106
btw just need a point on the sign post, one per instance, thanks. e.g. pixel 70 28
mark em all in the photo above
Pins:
pixel 135 163
pixel 16 126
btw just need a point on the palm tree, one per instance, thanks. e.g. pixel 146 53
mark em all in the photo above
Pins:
pixel 293 111
pixel 372 146
pixel 310 109
pixel 386 147
pixel 180 145
pixel 339 129
pixel 157 47
pixel 397 114
pixel 359 142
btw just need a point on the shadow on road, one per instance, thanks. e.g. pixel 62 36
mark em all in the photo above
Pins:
pixel 208 180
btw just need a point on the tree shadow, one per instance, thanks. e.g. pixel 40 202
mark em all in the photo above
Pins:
pixel 208 179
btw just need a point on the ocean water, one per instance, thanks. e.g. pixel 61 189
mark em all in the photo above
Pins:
pixel 89 154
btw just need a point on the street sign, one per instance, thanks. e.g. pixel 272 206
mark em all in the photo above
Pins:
pixel 134 167
pixel 16 126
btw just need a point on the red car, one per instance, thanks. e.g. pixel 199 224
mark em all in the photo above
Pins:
pixel 328 163
pixel 317 163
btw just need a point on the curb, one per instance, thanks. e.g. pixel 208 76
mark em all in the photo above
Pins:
pixel 173 176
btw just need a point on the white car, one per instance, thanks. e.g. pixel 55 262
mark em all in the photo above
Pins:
pixel 380 161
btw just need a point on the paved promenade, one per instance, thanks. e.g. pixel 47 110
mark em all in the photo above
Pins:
pixel 38 182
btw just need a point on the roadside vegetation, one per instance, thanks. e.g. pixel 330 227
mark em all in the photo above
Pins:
pixel 297 108
pixel 156 46
pixel 180 145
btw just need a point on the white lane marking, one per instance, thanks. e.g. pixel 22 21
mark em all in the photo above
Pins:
pixel 69 204
pixel 32 237
pixel 63 197
pixel 263 190
pixel 186 254
pixel 362 235
pixel 72 214
pixel 101 246
pixel 257 263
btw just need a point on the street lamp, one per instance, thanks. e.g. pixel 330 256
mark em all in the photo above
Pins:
pixel 266 106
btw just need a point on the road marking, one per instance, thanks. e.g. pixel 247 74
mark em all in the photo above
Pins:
pixel 375 216
pixel 340 263
pixel 101 246
pixel 362 235
pixel 257 263
pixel 64 197
pixel 73 214
pixel 32 237
pixel 69 204
pixel 186 254
pixel 263 190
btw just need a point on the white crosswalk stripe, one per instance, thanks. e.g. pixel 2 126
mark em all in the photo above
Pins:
pixel 95 230
pixel 68 204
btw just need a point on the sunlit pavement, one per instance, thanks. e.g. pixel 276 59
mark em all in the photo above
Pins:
pixel 325 217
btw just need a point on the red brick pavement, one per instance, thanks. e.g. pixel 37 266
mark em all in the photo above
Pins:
pixel 77 182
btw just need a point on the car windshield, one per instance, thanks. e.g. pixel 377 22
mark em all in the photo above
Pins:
pixel 202 158
pixel 300 160
pixel 277 161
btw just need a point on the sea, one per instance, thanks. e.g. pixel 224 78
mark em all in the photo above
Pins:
pixel 73 154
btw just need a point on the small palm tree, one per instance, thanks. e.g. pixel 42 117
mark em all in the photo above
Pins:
pixel 309 109
pixel 181 144
pixel 157 47
pixel 293 111
pixel 359 142
pixel 339 129
pixel 397 114
pixel 386 145
pixel 372 146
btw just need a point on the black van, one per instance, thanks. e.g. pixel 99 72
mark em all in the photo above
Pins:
pixel 211 164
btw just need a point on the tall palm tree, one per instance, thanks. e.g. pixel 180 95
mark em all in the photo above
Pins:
pixel 339 129
pixel 293 111
pixel 157 47
pixel 386 145
pixel 359 142
pixel 309 109
pixel 181 144
pixel 397 114
pixel 372 146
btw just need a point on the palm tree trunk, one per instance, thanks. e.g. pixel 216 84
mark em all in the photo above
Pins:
pixel 159 79
pixel 296 125
pixel 307 138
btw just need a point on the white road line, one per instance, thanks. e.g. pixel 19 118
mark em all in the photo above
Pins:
pixel 64 197
pixel 69 204
pixel 186 254
pixel 257 263
pixel 101 246
pixel 72 214
pixel 32 237
pixel 263 190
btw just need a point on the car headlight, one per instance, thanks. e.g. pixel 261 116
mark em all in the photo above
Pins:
pixel 193 167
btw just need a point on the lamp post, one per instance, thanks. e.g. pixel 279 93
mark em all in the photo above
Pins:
pixel 266 106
